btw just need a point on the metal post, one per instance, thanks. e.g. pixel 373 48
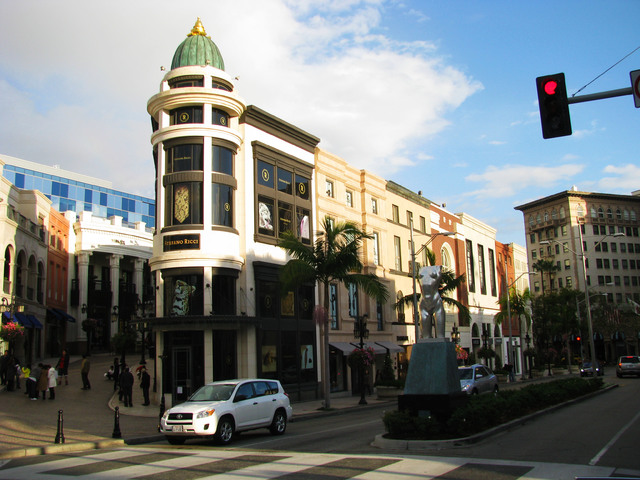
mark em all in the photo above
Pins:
pixel 60 432
pixel 116 424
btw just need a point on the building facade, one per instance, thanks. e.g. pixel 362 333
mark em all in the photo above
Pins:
pixel 231 179
pixel 603 229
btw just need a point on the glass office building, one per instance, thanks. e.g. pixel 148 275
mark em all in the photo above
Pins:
pixel 78 193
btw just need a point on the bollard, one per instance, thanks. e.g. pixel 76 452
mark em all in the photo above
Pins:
pixel 116 424
pixel 60 433
pixel 162 408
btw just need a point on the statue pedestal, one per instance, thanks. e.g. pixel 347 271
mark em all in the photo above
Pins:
pixel 432 386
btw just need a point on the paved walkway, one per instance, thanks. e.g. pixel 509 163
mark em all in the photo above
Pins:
pixel 30 427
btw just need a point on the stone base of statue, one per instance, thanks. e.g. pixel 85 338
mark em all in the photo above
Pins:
pixel 432 386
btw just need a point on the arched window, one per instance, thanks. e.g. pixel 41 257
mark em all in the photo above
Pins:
pixel 633 215
pixel 554 214
pixel 546 216
pixel 609 214
pixel 626 215
pixel 531 220
pixel 600 213
pixel 593 212
pixel 6 284
pixel 475 332
pixel 40 284
pixel 538 219
pixel 31 279
pixel 618 214
pixel 580 211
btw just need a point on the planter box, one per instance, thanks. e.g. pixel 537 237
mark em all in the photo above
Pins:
pixel 502 378
pixel 385 392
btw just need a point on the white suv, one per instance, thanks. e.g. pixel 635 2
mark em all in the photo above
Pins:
pixel 221 408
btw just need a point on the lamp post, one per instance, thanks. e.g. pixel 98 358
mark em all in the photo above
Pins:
pixel 455 334
pixel 416 313
pixel 485 337
pixel 361 331
pixel 592 345
pixel 527 340
pixel 509 285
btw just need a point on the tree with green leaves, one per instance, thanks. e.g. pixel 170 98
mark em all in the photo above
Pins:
pixel 545 266
pixel 519 306
pixel 333 257
pixel 449 283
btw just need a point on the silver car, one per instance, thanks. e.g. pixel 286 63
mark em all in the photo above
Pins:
pixel 477 379
pixel 219 409
pixel 628 365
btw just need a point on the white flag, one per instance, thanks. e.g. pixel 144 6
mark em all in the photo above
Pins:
pixel 636 307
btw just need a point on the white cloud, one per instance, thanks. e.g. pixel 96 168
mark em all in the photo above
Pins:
pixel 500 182
pixel 623 179
pixel 74 90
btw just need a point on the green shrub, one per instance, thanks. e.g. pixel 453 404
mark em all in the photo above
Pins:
pixel 482 412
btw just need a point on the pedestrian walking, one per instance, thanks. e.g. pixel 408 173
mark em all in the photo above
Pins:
pixel 43 381
pixel 31 381
pixel 52 377
pixel 145 383
pixel 63 367
pixel 4 365
pixel 85 366
pixel 116 374
pixel 126 386
pixel 25 372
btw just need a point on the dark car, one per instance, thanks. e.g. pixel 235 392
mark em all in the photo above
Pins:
pixel 628 365
pixel 586 369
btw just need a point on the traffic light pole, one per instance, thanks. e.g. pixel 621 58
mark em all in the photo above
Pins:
pixel 599 96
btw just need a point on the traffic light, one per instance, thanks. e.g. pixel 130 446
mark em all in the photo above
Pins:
pixel 554 108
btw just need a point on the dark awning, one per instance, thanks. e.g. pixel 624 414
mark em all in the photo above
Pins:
pixel 345 347
pixel 55 314
pixel 393 348
pixel 61 314
pixel 23 320
pixel 34 321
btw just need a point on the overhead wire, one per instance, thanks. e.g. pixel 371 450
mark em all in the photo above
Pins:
pixel 627 55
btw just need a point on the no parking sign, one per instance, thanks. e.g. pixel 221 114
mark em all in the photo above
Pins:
pixel 635 86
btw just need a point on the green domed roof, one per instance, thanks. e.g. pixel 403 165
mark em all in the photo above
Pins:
pixel 197 49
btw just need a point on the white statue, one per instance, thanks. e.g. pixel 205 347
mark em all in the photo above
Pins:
pixel 431 303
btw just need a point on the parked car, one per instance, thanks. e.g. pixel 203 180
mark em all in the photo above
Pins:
pixel 222 408
pixel 586 369
pixel 628 365
pixel 477 379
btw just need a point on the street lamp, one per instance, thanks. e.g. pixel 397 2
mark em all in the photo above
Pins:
pixel 592 345
pixel 361 331
pixel 455 334
pixel 416 313
pixel 506 282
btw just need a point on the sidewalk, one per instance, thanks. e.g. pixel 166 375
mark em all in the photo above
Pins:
pixel 88 416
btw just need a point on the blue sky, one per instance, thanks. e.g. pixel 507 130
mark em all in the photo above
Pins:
pixel 437 96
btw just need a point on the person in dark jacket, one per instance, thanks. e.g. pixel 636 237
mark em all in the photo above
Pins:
pixel 116 373
pixel 63 367
pixel 145 383
pixel 126 386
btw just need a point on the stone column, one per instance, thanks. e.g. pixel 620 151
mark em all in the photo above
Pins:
pixel 114 265
pixel 83 290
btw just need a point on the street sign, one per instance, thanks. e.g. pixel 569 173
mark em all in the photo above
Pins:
pixel 635 86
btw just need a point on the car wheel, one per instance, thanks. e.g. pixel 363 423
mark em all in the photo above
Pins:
pixel 175 440
pixel 279 423
pixel 224 433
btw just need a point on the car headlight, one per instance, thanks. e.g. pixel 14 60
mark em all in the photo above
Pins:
pixel 165 415
pixel 205 413
pixel 465 387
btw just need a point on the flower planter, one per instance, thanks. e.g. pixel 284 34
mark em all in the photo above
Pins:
pixel 385 392
pixel 502 378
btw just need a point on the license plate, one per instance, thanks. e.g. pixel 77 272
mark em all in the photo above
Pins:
pixel 177 428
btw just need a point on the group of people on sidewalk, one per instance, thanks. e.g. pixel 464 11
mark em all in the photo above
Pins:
pixel 123 381
pixel 37 380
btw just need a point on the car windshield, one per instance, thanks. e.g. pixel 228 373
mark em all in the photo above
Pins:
pixel 465 373
pixel 586 364
pixel 213 393
pixel 629 360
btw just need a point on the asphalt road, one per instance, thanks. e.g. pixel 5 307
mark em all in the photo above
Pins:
pixel 601 431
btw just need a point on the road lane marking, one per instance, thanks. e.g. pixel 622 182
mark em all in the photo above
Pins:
pixel 615 438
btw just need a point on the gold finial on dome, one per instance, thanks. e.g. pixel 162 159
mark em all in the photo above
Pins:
pixel 198 29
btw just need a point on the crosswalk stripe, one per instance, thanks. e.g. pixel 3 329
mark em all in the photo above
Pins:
pixel 155 463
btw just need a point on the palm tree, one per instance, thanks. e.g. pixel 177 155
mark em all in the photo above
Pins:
pixel 547 266
pixel 518 305
pixel 449 283
pixel 334 257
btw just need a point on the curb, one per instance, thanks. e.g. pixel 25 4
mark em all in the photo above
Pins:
pixel 420 445
pixel 61 448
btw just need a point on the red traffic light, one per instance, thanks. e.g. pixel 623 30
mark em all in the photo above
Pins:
pixel 554 106
pixel 550 87
pixel 578 338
